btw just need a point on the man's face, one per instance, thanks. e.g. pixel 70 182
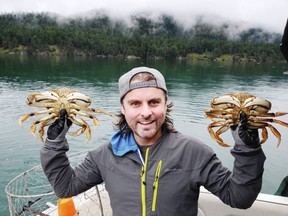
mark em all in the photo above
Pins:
pixel 145 110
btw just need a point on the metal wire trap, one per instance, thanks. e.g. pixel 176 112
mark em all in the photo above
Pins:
pixel 31 194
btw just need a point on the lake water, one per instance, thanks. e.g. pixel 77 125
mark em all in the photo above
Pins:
pixel 191 87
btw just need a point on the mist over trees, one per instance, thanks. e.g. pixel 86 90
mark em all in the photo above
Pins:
pixel 144 37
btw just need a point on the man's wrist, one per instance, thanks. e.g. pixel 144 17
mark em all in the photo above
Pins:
pixel 57 144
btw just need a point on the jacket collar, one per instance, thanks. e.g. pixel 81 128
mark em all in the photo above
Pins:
pixel 123 144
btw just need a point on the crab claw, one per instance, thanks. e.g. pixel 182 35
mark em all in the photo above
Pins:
pixel 22 119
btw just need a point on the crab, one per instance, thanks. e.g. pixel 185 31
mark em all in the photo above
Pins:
pixel 75 103
pixel 226 111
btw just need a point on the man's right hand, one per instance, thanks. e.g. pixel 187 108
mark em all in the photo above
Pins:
pixel 57 131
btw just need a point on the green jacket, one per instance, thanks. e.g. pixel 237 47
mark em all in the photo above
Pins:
pixel 168 182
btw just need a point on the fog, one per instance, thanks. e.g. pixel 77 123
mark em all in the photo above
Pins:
pixel 269 15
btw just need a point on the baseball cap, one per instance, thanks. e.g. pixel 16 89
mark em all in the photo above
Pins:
pixel 125 86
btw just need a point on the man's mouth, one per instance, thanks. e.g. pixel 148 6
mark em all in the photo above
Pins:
pixel 146 122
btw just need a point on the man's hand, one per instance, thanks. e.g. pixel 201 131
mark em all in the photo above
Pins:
pixel 244 135
pixel 57 131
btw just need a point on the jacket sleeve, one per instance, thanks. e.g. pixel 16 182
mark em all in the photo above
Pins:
pixel 240 187
pixel 65 180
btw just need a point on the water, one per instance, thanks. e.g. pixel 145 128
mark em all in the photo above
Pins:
pixel 191 87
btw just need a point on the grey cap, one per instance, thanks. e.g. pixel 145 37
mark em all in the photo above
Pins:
pixel 125 86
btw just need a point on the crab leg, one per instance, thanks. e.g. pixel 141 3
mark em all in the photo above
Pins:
pixel 79 98
pixel 100 111
pixel 44 124
pixel 285 124
pixel 95 120
pixel 263 114
pixel 24 118
pixel 43 104
pixel 213 135
pixel 221 130
pixel 225 101
pixel 88 109
pixel 280 113
pixel 264 135
pixel 80 122
pixel 260 103
pixel 276 133
pixel 33 126
pixel 217 111
pixel 79 131
pixel 220 116
pixel 216 136
pixel 272 128
pixel 84 127
pixel 44 96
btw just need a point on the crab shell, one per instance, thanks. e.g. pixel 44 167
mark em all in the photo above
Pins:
pixel 226 111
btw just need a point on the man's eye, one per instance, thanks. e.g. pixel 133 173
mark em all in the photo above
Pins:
pixel 154 102
pixel 134 103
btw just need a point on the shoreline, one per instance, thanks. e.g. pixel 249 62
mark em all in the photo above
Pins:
pixel 208 57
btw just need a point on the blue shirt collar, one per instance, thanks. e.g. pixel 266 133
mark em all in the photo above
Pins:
pixel 123 144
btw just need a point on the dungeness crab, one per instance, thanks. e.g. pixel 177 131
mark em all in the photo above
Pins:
pixel 226 111
pixel 75 103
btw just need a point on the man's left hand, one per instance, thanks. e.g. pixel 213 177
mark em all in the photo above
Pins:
pixel 244 135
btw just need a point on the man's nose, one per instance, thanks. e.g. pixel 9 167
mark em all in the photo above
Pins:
pixel 146 111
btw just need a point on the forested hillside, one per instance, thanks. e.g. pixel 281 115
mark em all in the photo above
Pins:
pixel 42 33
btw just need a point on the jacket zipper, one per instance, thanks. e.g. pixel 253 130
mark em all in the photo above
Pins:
pixel 155 184
pixel 143 183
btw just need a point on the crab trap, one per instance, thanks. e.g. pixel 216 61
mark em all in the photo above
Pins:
pixel 31 194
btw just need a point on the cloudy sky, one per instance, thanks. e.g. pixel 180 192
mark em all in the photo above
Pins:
pixel 267 14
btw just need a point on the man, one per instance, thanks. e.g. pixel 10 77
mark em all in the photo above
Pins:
pixel 148 167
